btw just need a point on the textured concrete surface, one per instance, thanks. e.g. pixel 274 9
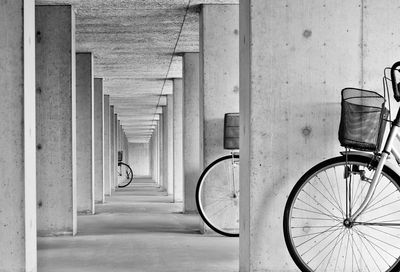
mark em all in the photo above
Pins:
pixel 153 155
pixel 170 143
pixel 178 140
pixel 139 158
pixel 290 102
pixel 138 229
pixel 84 132
pixel 219 75
pixel 107 146
pixel 98 137
pixel 115 125
pixel 192 129
pixel 161 149
pixel 112 149
pixel 17 138
pixel 55 120
pixel 135 44
pixel 165 148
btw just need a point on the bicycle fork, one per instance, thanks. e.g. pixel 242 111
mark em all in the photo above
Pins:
pixel 234 163
pixel 364 205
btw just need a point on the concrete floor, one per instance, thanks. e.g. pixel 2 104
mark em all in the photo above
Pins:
pixel 138 229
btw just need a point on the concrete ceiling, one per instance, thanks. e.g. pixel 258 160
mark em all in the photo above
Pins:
pixel 137 46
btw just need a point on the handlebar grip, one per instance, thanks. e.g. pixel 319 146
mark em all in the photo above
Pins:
pixel 395 84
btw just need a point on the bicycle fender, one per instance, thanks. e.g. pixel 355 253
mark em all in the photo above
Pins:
pixel 391 163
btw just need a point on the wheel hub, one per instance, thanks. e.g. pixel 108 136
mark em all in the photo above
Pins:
pixel 348 223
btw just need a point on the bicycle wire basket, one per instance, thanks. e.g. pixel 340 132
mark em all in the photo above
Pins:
pixel 231 131
pixel 363 119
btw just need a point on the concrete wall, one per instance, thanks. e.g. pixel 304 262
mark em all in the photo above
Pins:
pixel 84 130
pixel 154 143
pixel 56 120
pixel 161 150
pixel 296 56
pixel 178 140
pixel 165 148
pixel 170 143
pixel 115 147
pixel 17 138
pixel 98 138
pixel 219 73
pixel 219 76
pixel 192 129
pixel 107 153
pixel 112 149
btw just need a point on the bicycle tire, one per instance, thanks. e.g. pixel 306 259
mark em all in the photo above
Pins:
pixel 228 197
pixel 309 228
pixel 127 177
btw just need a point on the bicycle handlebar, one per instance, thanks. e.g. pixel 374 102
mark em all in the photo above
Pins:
pixel 395 84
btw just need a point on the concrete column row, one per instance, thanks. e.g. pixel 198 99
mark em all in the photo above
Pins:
pixel 17 140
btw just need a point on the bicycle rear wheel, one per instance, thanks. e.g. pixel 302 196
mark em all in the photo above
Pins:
pixel 125 175
pixel 217 195
pixel 317 233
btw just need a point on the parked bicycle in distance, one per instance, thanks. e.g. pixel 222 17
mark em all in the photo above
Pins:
pixel 124 172
pixel 344 213
pixel 217 191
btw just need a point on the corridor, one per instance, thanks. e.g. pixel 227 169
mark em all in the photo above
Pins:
pixel 225 104
pixel 138 229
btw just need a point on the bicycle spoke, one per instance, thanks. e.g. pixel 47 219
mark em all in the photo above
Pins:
pixel 383 216
pixel 319 235
pixel 385 205
pixel 374 246
pixel 330 252
pixel 365 246
pixel 329 215
pixel 361 255
pixel 333 198
pixel 323 239
pixel 376 203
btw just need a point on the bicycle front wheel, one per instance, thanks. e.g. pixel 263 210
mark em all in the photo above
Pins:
pixel 217 195
pixel 125 175
pixel 317 229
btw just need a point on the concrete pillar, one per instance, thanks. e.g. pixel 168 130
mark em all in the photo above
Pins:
pixel 112 150
pixel 219 75
pixel 151 155
pixel 126 148
pixel 119 136
pixel 98 140
pixel 17 140
pixel 160 151
pixel 192 129
pixel 170 143
pixel 165 148
pixel 56 120
pixel 154 156
pixel 291 74
pixel 118 132
pixel 84 130
pixel 178 139
pixel 106 146
pixel 116 142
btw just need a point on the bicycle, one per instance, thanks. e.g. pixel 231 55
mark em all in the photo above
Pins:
pixel 344 213
pixel 125 174
pixel 217 190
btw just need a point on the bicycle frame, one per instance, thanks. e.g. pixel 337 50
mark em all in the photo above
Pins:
pixel 388 150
